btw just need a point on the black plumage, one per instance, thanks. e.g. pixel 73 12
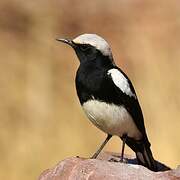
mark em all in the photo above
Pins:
pixel 95 83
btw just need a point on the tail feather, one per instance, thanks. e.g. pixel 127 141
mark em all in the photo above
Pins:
pixel 143 153
pixel 145 158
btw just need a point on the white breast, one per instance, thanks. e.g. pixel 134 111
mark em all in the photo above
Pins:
pixel 111 119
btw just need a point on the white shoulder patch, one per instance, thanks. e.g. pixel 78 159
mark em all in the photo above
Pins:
pixel 121 82
pixel 96 41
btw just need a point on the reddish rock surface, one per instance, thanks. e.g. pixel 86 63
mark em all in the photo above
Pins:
pixel 105 168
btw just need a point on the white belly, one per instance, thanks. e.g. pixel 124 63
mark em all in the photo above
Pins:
pixel 111 119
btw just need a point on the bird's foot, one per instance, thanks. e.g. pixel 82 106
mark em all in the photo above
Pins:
pixel 123 160
pixel 93 157
pixel 113 160
pixel 117 160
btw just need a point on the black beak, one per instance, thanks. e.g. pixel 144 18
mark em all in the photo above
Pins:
pixel 67 41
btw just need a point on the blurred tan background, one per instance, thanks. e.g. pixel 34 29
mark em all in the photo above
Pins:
pixel 41 121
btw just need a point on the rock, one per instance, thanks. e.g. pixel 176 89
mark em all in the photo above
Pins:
pixel 106 167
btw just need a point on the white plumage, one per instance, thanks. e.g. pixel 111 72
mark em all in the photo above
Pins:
pixel 96 41
pixel 121 82
pixel 111 119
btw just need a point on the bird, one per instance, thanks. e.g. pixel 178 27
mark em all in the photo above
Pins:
pixel 108 98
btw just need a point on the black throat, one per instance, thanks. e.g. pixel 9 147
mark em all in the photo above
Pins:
pixel 90 77
pixel 98 62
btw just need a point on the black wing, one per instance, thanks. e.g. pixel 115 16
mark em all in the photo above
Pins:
pixel 129 102
pixel 99 85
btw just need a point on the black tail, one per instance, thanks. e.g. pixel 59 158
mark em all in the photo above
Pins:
pixel 143 153
pixel 145 158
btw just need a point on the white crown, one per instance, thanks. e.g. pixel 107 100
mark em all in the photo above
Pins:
pixel 96 41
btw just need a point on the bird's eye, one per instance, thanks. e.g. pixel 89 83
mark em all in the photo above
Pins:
pixel 84 47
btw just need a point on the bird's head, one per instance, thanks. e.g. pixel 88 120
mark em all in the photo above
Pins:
pixel 89 47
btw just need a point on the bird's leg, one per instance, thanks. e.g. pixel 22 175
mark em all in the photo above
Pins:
pixel 124 137
pixel 101 147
